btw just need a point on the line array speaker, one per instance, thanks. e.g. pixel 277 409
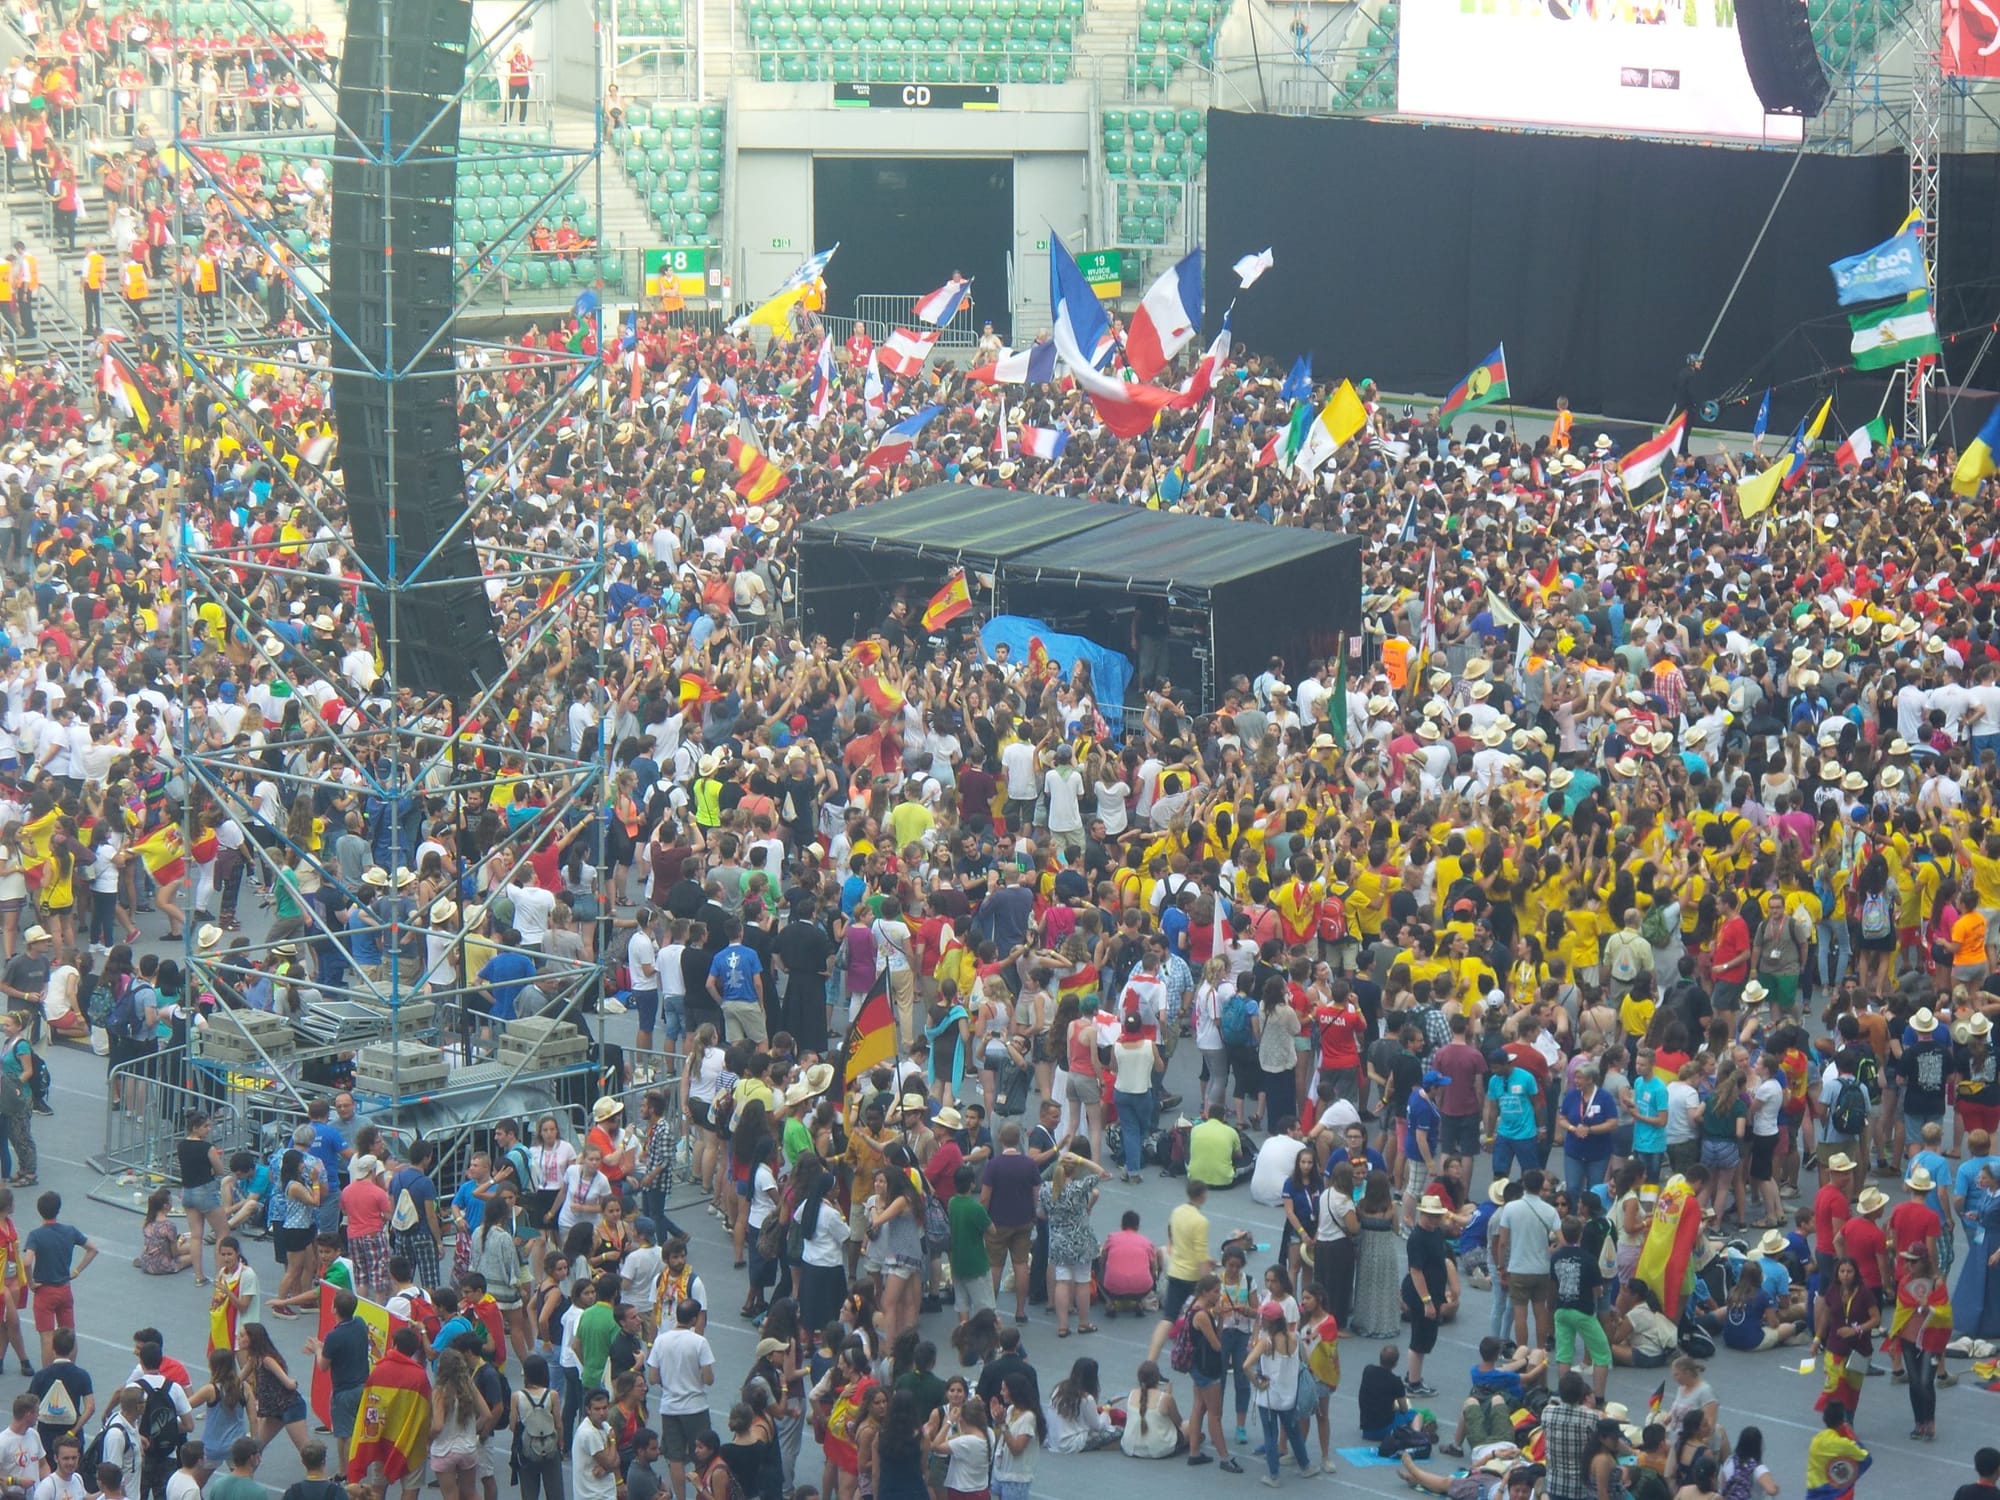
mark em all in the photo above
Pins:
pixel 1778 50
pixel 392 291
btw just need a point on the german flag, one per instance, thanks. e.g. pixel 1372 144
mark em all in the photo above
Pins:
pixel 696 689
pixel 871 1039
pixel 122 387
pixel 757 478
pixel 948 603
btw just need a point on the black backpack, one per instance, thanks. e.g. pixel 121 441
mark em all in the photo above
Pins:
pixel 159 1423
pixel 1849 1114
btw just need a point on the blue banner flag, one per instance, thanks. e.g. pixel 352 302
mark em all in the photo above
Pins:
pixel 1894 268
pixel 1763 416
pixel 1298 384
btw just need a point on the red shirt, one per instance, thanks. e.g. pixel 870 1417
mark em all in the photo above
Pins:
pixel 1913 1223
pixel 1731 956
pixel 1526 1055
pixel 1341 1028
pixel 1866 1244
pixel 1830 1211
pixel 1466 1068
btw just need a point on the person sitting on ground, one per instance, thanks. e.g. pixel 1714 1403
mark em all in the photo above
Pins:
pixel 1384 1403
pixel 1499 1388
pixel 1642 1337
pixel 1753 1320
pixel 1217 1157
pixel 1132 1262
pixel 1152 1418
pixel 1504 1479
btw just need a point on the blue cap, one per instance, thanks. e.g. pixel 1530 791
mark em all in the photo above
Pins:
pixel 1434 1079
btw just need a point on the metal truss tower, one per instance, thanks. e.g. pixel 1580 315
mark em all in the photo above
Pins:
pixel 1923 142
pixel 398 748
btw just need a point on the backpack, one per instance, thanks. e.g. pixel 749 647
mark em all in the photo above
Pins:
pixel 57 1410
pixel 97 1009
pixel 1235 1027
pixel 540 1441
pixel 1876 920
pixel 1181 1344
pixel 1624 962
pixel 1653 927
pixel 159 1424
pixel 1849 1115
pixel 1868 1072
pixel 1742 1482
pixel 94 1453
pixel 1333 918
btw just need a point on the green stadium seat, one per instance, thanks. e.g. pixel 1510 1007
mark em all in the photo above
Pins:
pixel 708 203
pixel 711 157
pixel 537 275
pixel 1198 144
pixel 675 181
pixel 1191 120
pixel 1033 70
pixel 695 224
pixel 1173 141
pixel 586 225
pixel 709 181
pixel 767 67
pixel 560 272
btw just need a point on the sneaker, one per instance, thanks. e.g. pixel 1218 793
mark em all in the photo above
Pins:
pixel 1269 1481
pixel 1230 1466
pixel 1309 1471
pixel 1196 1460
pixel 1242 1436
pixel 1418 1388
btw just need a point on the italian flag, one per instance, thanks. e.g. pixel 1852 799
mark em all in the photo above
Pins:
pixel 1862 444
pixel 1203 436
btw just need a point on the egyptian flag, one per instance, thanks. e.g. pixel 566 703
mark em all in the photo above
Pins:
pixel 1666 1261
pixel 1641 468
pixel 164 854
pixel 394 1425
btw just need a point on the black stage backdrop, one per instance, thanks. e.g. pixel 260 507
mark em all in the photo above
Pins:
pixel 1405 253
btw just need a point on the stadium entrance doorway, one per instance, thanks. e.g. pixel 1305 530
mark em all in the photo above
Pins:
pixel 905 223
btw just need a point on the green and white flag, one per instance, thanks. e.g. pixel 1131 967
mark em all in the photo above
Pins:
pixel 1890 335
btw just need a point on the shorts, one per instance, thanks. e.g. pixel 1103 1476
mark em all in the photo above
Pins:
pixel 674 1017
pixel 971 1294
pixel 205 1199
pixel 292 1241
pixel 1085 1088
pixel 1423 1327
pixel 1178 1292
pixel 1075 1275
pixel 1721 1156
pixel 1763 1151
pixel 1526 1290
pixel 1415 1175
pixel 647 1004
pixel 678 1432
pixel 55 1307
pixel 1913 1125
pixel 1016 1243
pixel 702 1112
pixel 743 1021
pixel 1572 1325
pixel 462 1460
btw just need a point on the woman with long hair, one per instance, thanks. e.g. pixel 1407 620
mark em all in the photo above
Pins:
pixel 227 1415
pixel 202 1170
pixel 1077 1424
pixel 1021 1429
pixel 457 1410
pixel 538 1456
pixel 280 1404
pixel 1273 1366
pixel 895 1237
pixel 1378 1306
pixel 822 1268
pixel 1875 896
pixel 297 1224
pixel 850 1402
pixel 161 1248
pixel 1725 1121
pixel 1152 1417
pixel 1747 1457
pixel 1300 1200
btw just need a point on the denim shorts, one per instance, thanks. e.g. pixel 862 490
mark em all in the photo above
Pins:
pixel 205 1199
pixel 673 1016
pixel 1721 1156
pixel 647 1004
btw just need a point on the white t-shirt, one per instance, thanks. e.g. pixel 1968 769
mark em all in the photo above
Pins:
pixel 532 906
pixel 643 955
pixel 678 1358
pixel 584 1448
pixel 1275 1159
pixel 21 1455
pixel 1064 786
pixel 181 1485
pixel 1018 761
pixel 1765 1102
pixel 55 1487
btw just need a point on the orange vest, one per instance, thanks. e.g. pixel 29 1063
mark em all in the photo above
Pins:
pixel 93 271
pixel 1559 439
pixel 136 288
pixel 1396 662
pixel 6 281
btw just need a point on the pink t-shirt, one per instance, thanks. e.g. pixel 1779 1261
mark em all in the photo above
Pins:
pixel 367 1207
pixel 1128 1263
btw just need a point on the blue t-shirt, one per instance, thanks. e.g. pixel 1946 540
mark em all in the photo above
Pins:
pixel 505 975
pixel 1601 1110
pixel 53 1245
pixel 1649 1097
pixel 470 1205
pixel 1516 1093
pixel 1506 1381
pixel 328 1144
pixel 735 970
pixel 1743 1327
pixel 1475 1233
pixel 1174 928
pixel 420 1188
pixel 1423 1119
pixel 363 937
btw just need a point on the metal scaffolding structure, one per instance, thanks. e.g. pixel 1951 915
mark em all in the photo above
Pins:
pixel 355 727
pixel 1923 142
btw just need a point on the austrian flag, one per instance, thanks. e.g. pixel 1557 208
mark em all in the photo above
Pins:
pixel 904 352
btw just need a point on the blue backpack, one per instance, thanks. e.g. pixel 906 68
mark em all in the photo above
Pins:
pixel 1235 1021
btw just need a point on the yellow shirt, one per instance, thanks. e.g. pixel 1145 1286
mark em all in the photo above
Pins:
pixel 1580 940
pixel 1986 879
pixel 1187 1243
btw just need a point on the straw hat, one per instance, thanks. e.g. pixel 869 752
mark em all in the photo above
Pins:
pixel 208 939
pixel 797 1094
pixel 1492 736
pixel 443 909
pixel 1496 1194
pixel 1477 668
pixel 707 764
pixel 1899 746
pixel 1561 777
pixel 280 950
pixel 1428 732
pixel 1840 1161
pixel 1829 770
pixel 819 1077
pixel 1381 704
pixel 1854 781
pixel 1892 777
pixel 405 877
pixel 1439 681
pixel 1808 678
pixel 1919 1181
pixel 949 1119
pixel 1829 659
pixel 36 934
pixel 1626 767
pixel 1871 1202
pixel 1773 1243
pixel 376 876
pixel 1924 1020
pixel 1980 1025
pixel 1481 691
pixel 366 1167
pixel 1695 736
pixel 1431 1203
pixel 605 1108
pixel 1755 993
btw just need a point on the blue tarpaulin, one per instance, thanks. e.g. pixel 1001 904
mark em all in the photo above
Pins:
pixel 1109 670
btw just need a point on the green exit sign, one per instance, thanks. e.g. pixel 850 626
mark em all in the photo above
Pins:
pixel 1041 244
pixel 781 242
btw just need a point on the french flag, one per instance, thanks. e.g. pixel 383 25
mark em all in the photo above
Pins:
pixel 1169 316
pixel 823 379
pixel 899 440
pixel 1034 365
pixel 1196 387
pixel 873 402
pixel 1044 442
pixel 942 305
pixel 905 351
pixel 1078 322
pixel 697 387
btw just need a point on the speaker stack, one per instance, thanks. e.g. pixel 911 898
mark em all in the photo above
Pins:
pixel 1778 50
pixel 391 294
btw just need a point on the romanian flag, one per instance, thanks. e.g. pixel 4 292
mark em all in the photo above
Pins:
pixel 164 853
pixel 949 602
pixel 1486 384
pixel 871 1038
pixel 883 698
pixel 394 1426
pixel 696 689
pixel 1977 461
pixel 380 1323
pixel 1666 1261
pixel 757 478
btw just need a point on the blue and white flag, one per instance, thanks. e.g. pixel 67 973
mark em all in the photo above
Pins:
pixel 1299 383
pixel 1894 268
pixel 1763 417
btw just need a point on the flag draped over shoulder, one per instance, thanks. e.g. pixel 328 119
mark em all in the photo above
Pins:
pixel 164 854
pixel 1666 1261
pixel 393 1428
pixel 380 1323
pixel 871 1036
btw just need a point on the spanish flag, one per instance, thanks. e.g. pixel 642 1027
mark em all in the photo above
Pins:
pixel 164 853
pixel 1666 1262
pixel 558 586
pixel 865 653
pixel 949 602
pixel 378 1320
pixel 871 1038
pixel 884 699
pixel 1081 986
pixel 696 689
pixel 1549 579
pixel 394 1426
pixel 1038 657
pixel 757 478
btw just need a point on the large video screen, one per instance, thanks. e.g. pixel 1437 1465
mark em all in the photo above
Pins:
pixel 1673 68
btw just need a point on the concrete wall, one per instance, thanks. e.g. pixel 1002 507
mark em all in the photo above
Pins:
pixel 775 130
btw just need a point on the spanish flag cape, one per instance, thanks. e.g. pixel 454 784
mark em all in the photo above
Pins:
pixel 164 854
pixel 393 1428
pixel 1666 1262
pixel 1923 1313
pixel 222 1311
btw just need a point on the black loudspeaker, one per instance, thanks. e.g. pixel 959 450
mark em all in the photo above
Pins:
pixel 395 199
pixel 1778 50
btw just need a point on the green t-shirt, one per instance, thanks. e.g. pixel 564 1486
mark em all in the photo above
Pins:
pixel 1212 1153
pixel 340 1273
pixel 227 1486
pixel 594 1332
pixel 925 1389
pixel 969 1221
pixel 797 1140
pixel 285 900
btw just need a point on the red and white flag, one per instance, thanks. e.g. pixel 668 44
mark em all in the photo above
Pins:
pixel 1643 464
pixel 904 352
